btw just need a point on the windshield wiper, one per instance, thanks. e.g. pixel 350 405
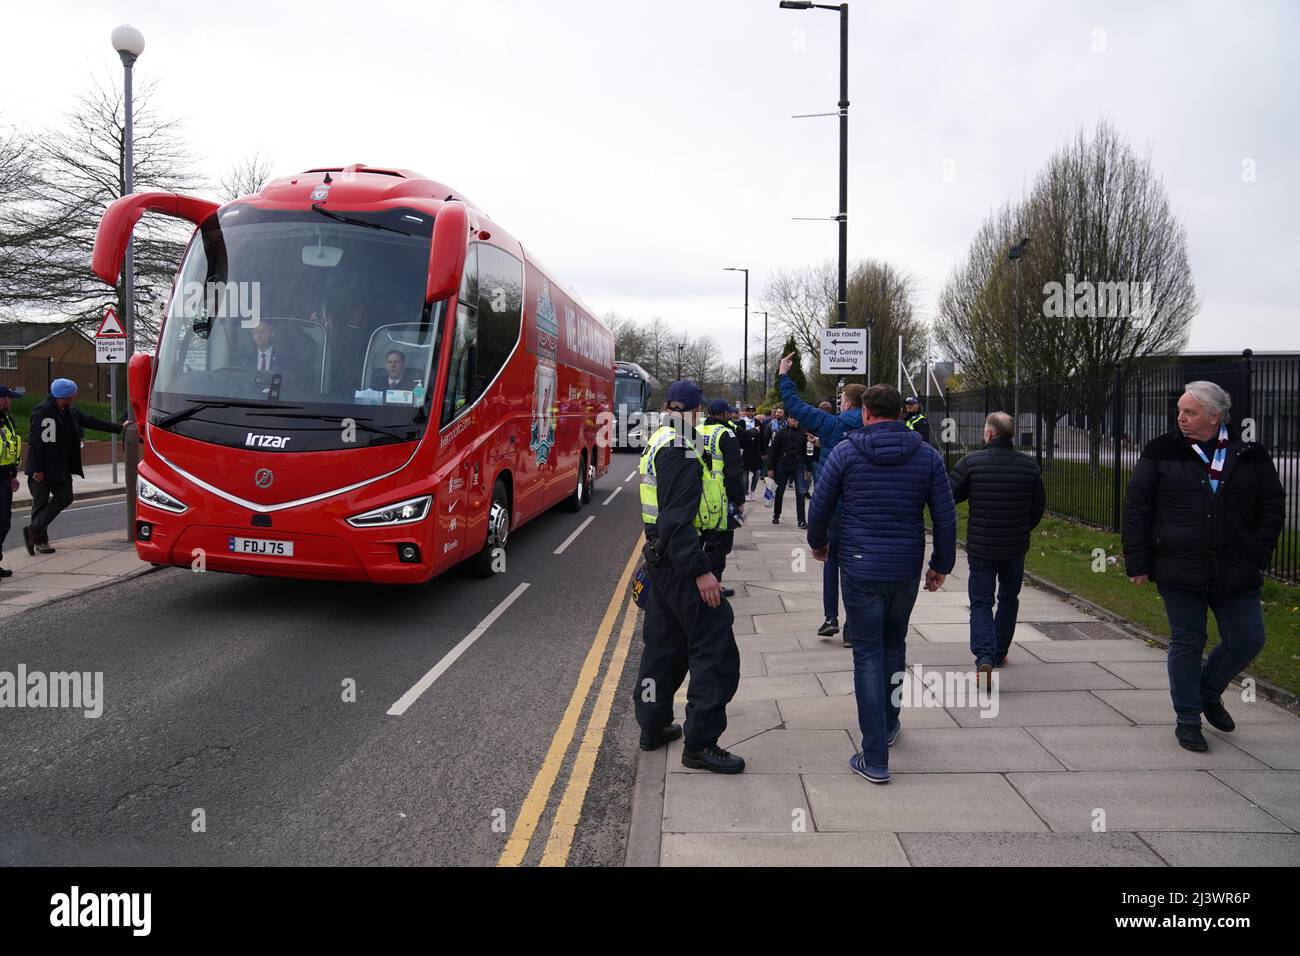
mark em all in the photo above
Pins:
pixel 357 222
pixel 199 406
pixel 368 424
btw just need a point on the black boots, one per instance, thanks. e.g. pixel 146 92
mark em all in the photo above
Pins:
pixel 712 758
pixel 1191 738
pixel 1218 717
pixel 654 739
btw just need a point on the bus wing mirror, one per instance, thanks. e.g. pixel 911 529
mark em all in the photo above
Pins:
pixel 121 216
pixel 447 251
pixel 139 376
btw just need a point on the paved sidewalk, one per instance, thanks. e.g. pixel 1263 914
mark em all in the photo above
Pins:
pixel 97 483
pixel 78 564
pixel 1084 729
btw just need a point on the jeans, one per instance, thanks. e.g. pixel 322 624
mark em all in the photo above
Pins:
pixel 755 477
pixel 48 499
pixel 878 614
pixel 1241 636
pixel 831 572
pixel 990 635
pixel 783 474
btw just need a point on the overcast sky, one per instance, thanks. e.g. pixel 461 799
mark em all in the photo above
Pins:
pixel 637 148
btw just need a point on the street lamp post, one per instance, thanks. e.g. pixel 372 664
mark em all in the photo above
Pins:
pixel 764 314
pixel 129 44
pixel 680 346
pixel 744 365
pixel 842 305
pixel 1016 253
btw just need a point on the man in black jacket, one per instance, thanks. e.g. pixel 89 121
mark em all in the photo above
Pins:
pixel 53 457
pixel 785 460
pixel 1005 490
pixel 1201 518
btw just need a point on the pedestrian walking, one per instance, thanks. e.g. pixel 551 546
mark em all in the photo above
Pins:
pixel 688 623
pixel 883 477
pixel 1005 491
pixel 53 457
pixel 751 451
pixel 1202 516
pixel 11 451
pixel 786 463
pixel 830 430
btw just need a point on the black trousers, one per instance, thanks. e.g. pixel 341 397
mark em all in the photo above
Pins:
pixel 683 634
pixel 48 499
pixel 6 510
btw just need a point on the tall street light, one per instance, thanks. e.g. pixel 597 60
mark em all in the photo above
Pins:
pixel 744 366
pixel 129 44
pixel 842 305
pixel 764 314
pixel 680 346
pixel 1015 254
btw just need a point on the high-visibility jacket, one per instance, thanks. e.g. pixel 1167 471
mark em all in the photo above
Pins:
pixel 712 432
pixel 914 420
pixel 712 513
pixel 11 445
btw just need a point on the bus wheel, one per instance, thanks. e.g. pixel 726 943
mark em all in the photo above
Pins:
pixel 498 532
pixel 580 493
pixel 590 486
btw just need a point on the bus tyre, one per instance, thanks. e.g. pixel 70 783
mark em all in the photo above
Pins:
pixel 590 484
pixel 580 492
pixel 498 531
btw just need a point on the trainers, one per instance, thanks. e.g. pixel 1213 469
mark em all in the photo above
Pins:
pixel 654 739
pixel 44 548
pixel 1191 738
pixel 776 519
pixel 985 677
pixel 5 573
pixel 1218 716
pixel 712 758
pixel 29 539
pixel 893 734
pixel 728 592
pixel 857 763
pixel 749 497
pixel 803 524
pixel 830 628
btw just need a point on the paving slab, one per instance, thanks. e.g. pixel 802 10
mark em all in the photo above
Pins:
pixel 1047 677
pixel 924 612
pixel 751 664
pixel 1154 707
pixel 811 662
pixel 767 604
pixel 1124 649
pixel 960 633
pixel 1069 708
pixel 787 622
pixel 923 802
pixel 1277 745
pixel 785 751
pixel 817 713
pixel 1277 791
pixel 1226 849
pixel 779 688
pixel 1027 849
pixel 767 643
pixel 740 803
pixel 968 750
pixel 836 683
pixel 1141 800
pixel 783 849
pixel 1144 675
pixel 75 559
pixel 792 586
pixel 1135 748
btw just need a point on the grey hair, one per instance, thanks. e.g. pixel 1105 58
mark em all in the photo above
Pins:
pixel 1210 397
pixel 1000 424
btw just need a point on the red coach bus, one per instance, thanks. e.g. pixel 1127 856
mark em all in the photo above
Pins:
pixel 360 376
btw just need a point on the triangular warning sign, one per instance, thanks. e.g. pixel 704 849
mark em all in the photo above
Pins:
pixel 110 328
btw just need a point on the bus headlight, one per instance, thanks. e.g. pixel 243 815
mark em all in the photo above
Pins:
pixel 155 497
pixel 401 512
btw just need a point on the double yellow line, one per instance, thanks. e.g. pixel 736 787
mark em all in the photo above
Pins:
pixel 564 826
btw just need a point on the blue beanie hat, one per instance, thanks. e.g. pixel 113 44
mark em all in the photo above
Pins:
pixel 63 388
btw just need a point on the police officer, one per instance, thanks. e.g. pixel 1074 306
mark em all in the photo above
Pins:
pixel 915 419
pixel 11 450
pixel 687 621
pixel 727 460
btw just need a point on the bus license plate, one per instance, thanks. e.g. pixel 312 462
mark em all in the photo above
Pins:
pixel 262 546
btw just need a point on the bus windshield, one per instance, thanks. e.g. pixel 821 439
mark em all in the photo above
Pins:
pixel 628 393
pixel 298 320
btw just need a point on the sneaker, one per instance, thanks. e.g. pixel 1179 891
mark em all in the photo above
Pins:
pixel 830 628
pixel 985 677
pixel 654 739
pixel 857 763
pixel 6 573
pixel 1191 738
pixel 776 519
pixel 803 524
pixel 749 497
pixel 728 592
pixel 712 758
pixel 44 548
pixel 1218 717
pixel 893 734
pixel 29 539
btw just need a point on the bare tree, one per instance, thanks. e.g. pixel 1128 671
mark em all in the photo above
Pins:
pixel 19 232
pixel 81 173
pixel 246 177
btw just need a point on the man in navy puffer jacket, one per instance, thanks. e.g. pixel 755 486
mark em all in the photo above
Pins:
pixel 883 477
pixel 831 429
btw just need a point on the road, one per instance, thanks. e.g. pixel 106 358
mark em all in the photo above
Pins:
pixel 224 694
pixel 80 517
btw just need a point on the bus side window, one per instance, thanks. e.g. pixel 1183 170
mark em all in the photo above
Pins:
pixel 500 312
pixel 460 370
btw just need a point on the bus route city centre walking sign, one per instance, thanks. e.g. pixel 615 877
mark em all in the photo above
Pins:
pixel 844 351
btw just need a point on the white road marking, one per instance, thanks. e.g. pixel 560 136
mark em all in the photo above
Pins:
pixel 629 477
pixel 93 507
pixel 440 668
pixel 569 540
pixel 611 497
